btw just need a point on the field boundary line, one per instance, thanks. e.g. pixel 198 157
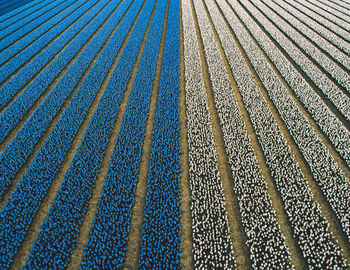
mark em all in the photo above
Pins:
pixel 185 195
pixel 327 212
pixel 78 253
pixel 12 134
pixel 327 143
pixel 237 235
pixel 276 201
pixel 29 239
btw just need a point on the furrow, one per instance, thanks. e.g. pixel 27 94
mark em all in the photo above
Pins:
pixel 303 213
pixel 160 236
pixel 325 119
pixel 31 96
pixel 246 179
pixel 335 99
pixel 13 63
pixel 327 19
pixel 20 12
pixel 115 203
pixel 342 16
pixel 318 28
pixel 52 153
pixel 77 256
pixel 185 192
pixel 78 180
pixel 56 102
pixel 332 61
pixel 306 146
pixel 21 39
pixel 208 206
pixel 26 16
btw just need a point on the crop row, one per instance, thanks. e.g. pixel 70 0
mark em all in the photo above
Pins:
pixel 212 246
pixel 333 9
pixel 16 153
pixel 334 183
pixel 19 40
pixel 327 121
pixel 15 14
pixel 109 234
pixel 334 6
pixel 329 89
pixel 321 19
pixel 339 18
pixel 30 69
pixel 39 176
pixel 9 6
pixel 316 26
pixel 71 14
pixel 67 211
pixel 75 40
pixel 265 241
pixel 20 13
pixel 28 23
pixel 323 59
pixel 302 211
pixel 160 237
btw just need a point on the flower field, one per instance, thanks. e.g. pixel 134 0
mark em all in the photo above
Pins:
pixel 166 134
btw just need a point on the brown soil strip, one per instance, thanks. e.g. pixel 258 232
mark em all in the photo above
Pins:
pixel 78 253
pixel 41 50
pixel 134 236
pixel 53 84
pixel 325 140
pixel 12 187
pixel 237 235
pixel 277 203
pixel 186 220
pixel 28 241
pixel 327 212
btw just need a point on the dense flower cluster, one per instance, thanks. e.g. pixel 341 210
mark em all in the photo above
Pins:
pixel 304 214
pixel 109 233
pixel 306 67
pixel 16 217
pixel 14 56
pixel 54 245
pixel 327 34
pixel 319 17
pixel 7 6
pixel 324 55
pixel 266 244
pixel 74 40
pixel 30 18
pixel 333 182
pixel 212 246
pixel 160 237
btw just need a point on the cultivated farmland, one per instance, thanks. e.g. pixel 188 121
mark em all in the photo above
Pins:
pixel 175 134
